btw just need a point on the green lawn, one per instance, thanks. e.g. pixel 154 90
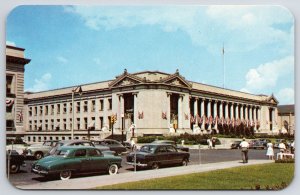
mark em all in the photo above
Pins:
pixel 246 177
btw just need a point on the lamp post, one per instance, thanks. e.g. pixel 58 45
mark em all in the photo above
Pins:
pixel 78 90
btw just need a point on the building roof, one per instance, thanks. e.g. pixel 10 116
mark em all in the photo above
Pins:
pixel 286 109
pixel 152 77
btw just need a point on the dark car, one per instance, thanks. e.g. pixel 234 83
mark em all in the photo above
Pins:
pixel 236 145
pixel 69 160
pixel 178 147
pixel 14 161
pixel 126 144
pixel 76 142
pixel 157 155
pixel 113 145
pixel 265 141
pixel 256 144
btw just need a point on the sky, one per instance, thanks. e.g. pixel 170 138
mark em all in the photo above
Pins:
pixel 73 45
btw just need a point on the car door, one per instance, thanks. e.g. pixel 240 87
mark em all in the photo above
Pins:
pixel 173 156
pixel 161 155
pixel 97 160
pixel 85 162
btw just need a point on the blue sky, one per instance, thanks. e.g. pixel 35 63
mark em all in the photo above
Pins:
pixel 71 45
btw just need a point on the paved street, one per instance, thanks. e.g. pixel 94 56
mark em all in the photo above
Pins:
pixel 25 177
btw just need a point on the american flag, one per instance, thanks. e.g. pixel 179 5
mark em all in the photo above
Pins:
pixel 210 119
pixel 164 115
pixel 192 119
pixel 20 115
pixel 140 115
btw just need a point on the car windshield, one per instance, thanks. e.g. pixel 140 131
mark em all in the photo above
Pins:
pixel 148 148
pixel 62 153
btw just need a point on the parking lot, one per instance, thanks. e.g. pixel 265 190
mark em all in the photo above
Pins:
pixel 203 156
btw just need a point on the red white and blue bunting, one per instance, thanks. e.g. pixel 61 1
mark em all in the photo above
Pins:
pixel 9 102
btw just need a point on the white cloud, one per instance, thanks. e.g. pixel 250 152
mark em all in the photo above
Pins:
pixel 266 75
pixel 41 84
pixel 249 26
pixel 286 96
pixel 62 59
pixel 10 43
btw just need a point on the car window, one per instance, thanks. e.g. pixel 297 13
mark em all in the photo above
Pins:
pixel 63 153
pixel 47 144
pixel 171 149
pixel 80 153
pixel 148 148
pixel 94 152
pixel 161 149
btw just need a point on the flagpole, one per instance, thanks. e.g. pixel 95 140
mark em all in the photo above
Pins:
pixel 223 56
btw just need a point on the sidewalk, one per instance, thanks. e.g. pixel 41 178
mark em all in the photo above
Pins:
pixel 96 181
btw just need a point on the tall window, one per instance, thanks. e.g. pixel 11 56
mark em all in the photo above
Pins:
pixel 101 105
pixel 64 108
pixel 9 84
pixel 109 104
pixel 58 108
pixel 77 107
pixel 85 106
pixel 41 110
pixel 78 123
pixel 85 123
pixel 93 106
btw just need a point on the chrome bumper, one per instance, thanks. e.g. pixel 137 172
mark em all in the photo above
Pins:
pixel 137 164
pixel 39 172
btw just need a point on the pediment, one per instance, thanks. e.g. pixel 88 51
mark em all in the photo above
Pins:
pixel 126 80
pixel 272 99
pixel 177 81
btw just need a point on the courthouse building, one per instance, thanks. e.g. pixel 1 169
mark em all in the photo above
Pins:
pixel 143 103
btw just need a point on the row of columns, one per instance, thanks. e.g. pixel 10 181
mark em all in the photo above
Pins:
pixel 254 111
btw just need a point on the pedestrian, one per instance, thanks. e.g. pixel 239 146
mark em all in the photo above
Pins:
pixel 132 143
pixel 213 142
pixel 209 143
pixel 293 147
pixel 244 145
pixel 270 151
pixel 282 147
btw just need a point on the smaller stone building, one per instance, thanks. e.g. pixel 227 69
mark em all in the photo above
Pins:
pixel 286 119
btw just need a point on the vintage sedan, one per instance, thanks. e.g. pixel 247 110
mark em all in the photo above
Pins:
pixel 39 150
pixel 69 160
pixel 178 147
pixel 112 144
pixel 236 145
pixel 14 161
pixel 157 155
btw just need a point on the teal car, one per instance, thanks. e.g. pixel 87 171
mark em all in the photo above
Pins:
pixel 70 160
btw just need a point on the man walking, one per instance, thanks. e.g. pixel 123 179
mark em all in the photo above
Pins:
pixel 244 145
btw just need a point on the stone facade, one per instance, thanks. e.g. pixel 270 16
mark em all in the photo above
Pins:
pixel 15 66
pixel 286 119
pixel 144 103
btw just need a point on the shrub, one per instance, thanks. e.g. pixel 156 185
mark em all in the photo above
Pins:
pixel 288 160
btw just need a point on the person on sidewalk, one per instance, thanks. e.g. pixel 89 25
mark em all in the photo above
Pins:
pixel 244 145
pixel 213 141
pixel 209 143
pixel 282 147
pixel 270 151
pixel 132 143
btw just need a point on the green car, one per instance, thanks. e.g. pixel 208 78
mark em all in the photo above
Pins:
pixel 69 160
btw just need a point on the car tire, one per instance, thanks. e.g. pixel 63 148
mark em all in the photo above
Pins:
pixel 38 155
pixel 184 162
pixel 14 168
pixel 65 175
pixel 155 165
pixel 113 169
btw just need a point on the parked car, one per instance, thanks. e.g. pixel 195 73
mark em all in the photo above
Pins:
pixel 77 142
pixel 257 144
pixel 18 147
pixel 236 145
pixel 38 151
pixel 178 147
pixel 112 144
pixel 157 155
pixel 69 160
pixel 265 141
pixel 126 144
pixel 14 161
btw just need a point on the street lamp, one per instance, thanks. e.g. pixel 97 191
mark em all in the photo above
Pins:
pixel 78 90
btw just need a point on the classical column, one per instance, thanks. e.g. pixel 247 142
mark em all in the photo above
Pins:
pixel 254 118
pixel 237 111
pixel 221 109
pixel 135 109
pixel 226 110
pixel 275 117
pixel 180 113
pixel 169 108
pixel 246 114
pixel 209 113
pixel 203 114
pixel 259 117
pixel 196 111
pixel 242 111
pixel 215 115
